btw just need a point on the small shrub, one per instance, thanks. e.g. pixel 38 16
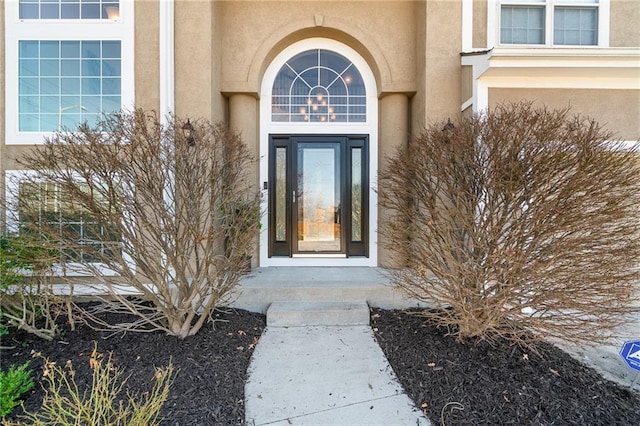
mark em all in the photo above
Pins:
pixel 520 223
pixel 66 404
pixel 13 384
pixel 27 300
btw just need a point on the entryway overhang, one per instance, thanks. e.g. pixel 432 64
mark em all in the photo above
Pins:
pixel 560 68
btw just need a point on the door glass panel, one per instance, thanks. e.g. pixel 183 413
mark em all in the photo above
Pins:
pixel 281 195
pixel 356 194
pixel 318 197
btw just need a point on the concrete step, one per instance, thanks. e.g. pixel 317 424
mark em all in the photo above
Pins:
pixel 310 313
pixel 265 286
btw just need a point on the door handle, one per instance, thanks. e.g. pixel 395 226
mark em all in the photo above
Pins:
pixel 293 193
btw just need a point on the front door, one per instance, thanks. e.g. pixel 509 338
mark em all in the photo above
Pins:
pixel 318 196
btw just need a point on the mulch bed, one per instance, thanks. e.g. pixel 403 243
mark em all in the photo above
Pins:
pixel 210 367
pixel 454 384
pixel 477 384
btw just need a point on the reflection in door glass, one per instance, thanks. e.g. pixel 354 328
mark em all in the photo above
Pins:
pixel 356 194
pixel 318 198
pixel 281 194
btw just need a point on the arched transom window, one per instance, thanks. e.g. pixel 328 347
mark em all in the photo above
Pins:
pixel 319 86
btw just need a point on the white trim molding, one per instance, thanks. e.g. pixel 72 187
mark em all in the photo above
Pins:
pixel 611 68
pixel 167 59
pixel 369 127
pixel 467 25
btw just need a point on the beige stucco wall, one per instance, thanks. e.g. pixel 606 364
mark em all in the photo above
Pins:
pixel 244 116
pixel 147 65
pixel 197 60
pixel 253 33
pixel 466 83
pixel 418 104
pixel 444 40
pixel 625 27
pixel 394 134
pixel 479 36
pixel 617 110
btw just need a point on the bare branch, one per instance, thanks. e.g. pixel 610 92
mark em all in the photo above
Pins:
pixel 520 223
pixel 139 207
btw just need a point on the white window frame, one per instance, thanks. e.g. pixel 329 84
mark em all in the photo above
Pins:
pixel 495 13
pixel 70 269
pixel 17 30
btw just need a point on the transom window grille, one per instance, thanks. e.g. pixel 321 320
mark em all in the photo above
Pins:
pixel 549 22
pixel 70 9
pixel 46 206
pixel 64 83
pixel 319 86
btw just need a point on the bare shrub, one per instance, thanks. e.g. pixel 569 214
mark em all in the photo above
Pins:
pixel 145 211
pixel 519 223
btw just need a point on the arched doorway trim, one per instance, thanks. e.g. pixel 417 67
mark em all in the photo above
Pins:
pixel 369 127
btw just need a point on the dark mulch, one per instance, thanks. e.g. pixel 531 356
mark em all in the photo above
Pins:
pixel 460 384
pixel 476 384
pixel 211 366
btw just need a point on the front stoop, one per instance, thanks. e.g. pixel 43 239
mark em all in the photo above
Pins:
pixel 265 286
pixel 323 313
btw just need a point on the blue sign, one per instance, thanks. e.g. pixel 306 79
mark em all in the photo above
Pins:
pixel 630 353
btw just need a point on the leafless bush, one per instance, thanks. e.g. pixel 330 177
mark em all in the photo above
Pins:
pixel 519 223
pixel 145 210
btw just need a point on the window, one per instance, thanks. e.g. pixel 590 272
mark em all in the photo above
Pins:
pixel 67 63
pixel 550 22
pixel 63 83
pixel 69 9
pixel 319 86
pixel 575 26
pixel 46 206
pixel 522 25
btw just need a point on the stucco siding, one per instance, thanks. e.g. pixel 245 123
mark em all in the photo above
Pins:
pixel 147 65
pixel 194 60
pixel 443 70
pixel 480 24
pixel 625 23
pixel 252 33
pixel 617 110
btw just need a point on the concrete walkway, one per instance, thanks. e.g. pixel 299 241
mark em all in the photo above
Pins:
pixel 324 375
